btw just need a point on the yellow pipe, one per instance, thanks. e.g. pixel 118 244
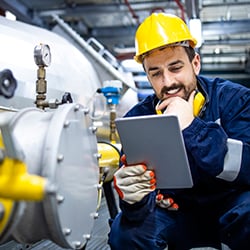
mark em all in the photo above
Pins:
pixel 17 184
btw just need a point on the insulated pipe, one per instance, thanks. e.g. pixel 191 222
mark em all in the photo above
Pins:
pixel 92 52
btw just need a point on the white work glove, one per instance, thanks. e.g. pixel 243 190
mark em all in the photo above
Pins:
pixel 133 182
pixel 165 201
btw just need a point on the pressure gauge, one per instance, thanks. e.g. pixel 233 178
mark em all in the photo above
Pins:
pixel 42 55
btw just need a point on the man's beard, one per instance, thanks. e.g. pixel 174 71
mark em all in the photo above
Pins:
pixel 185 92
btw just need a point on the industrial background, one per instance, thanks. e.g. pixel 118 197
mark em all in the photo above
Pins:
pixel 91 69
pixel 225 26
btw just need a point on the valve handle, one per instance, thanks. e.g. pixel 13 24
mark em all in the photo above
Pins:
pixel 66 98
pixel 8 83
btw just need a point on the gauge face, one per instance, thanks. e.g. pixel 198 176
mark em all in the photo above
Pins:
pixel 42 55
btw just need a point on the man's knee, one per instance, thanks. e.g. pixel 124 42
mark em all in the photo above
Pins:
pixel 235 223
pixel 146 234
pixel 119 237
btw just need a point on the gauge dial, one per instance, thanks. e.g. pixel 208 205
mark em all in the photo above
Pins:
pixel 42 55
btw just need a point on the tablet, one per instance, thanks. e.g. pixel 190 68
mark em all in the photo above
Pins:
pixel 157 141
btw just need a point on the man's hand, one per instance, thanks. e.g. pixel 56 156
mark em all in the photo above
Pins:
pixel 134 182
pixel 180 107
pixel 166 202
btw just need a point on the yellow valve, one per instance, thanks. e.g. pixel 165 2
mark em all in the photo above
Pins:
pixel 110 156
pixel 108 163
pixel 17 184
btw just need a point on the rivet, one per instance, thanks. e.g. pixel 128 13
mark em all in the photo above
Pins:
pixel 66 231
pixel 60 158
pixel 50 188
pixel 86 236
pixel 77 107
pixel 59 198
pixel 76 243
pixel 85 111
pixel 93 129
pixel 66 124
pixel 98 156
pixel 94 215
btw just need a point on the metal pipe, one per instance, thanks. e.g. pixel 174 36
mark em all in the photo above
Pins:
pixel 132 11
pixel 181 8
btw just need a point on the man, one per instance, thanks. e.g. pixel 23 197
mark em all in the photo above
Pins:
pixel 216 210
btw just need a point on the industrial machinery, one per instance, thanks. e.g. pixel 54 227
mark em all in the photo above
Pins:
pixel 52 158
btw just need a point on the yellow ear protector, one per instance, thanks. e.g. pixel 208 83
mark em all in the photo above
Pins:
pixel 199 101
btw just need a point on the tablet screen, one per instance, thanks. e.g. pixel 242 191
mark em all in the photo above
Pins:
pixel 157 141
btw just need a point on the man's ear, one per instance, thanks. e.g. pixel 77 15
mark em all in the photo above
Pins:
pixel 196 62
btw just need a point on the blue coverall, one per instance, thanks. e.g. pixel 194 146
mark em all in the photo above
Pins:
pixel 217 208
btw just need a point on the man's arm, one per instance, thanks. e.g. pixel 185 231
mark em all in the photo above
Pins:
pixel 218 144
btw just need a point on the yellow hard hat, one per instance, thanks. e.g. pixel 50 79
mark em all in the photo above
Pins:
pixel 161 29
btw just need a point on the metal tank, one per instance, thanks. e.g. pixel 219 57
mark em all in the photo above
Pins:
pixel 69 71
pixel 61 147
pixel 75 67
pixel 50 162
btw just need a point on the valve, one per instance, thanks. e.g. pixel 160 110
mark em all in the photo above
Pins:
pixel 42 57
pixel 54 103
pixel 111 91
pixel 66 98
pixel 8 83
